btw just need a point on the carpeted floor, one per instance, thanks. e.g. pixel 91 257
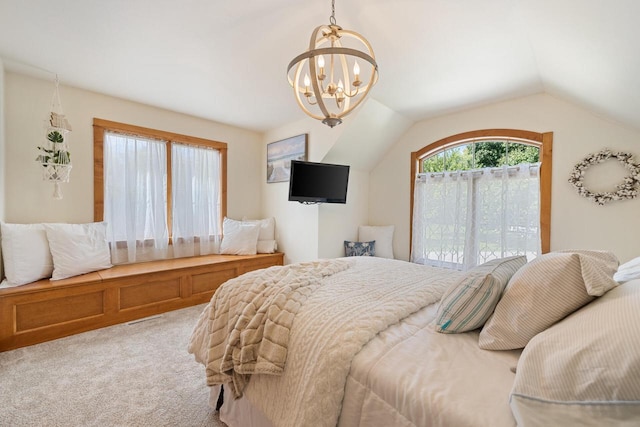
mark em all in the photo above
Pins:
pixel 125 375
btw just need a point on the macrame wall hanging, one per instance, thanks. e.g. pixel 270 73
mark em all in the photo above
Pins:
pixel 54 156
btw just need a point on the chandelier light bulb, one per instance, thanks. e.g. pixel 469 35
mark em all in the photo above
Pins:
pixel 321 74
pixel 356 75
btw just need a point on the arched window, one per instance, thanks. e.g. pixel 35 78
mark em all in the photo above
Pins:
pixel 481 195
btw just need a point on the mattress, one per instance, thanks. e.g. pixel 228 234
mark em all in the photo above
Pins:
pixel 407 375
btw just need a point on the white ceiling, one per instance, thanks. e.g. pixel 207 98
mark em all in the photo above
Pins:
pixel 226 61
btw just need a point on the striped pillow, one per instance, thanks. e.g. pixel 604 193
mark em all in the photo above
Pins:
pixel 583 371
pixel 466 305
pixel 545 291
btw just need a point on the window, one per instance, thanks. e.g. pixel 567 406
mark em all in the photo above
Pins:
pixel 162 194
pixel 479 196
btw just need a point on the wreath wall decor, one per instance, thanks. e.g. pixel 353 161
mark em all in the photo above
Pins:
pixel 627 189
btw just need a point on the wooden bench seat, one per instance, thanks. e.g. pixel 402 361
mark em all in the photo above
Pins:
pixel 46 310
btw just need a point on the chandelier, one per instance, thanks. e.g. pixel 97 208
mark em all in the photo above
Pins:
pixel 327 79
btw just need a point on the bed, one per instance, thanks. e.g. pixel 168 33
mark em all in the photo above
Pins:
pixel 366 341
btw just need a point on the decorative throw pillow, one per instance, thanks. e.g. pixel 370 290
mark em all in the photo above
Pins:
pixel 543 292
pixel 26 254
pixel 239 237
pixel 360 248
pixel 383 236
pixel 78 248
pixel 583 371
pixel 468 304
pixel 267 235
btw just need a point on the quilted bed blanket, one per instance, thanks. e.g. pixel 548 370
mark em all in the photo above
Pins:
pixel 335 317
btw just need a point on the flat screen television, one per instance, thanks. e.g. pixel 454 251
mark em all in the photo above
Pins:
pixel 312 182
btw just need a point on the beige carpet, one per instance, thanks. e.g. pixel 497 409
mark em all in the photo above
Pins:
pixel 124 375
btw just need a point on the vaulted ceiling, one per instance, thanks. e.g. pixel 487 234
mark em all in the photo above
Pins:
pixel 226 60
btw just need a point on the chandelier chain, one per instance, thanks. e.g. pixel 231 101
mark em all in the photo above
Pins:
pixel 332 18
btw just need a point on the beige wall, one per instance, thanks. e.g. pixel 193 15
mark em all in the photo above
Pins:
pixel 307 232
pixel 337 223
pixel 29 199
pixel 576 222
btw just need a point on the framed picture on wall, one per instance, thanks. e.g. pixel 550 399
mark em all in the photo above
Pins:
pixel 280 154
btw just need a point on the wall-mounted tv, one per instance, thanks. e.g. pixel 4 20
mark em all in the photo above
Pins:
pixel 312 182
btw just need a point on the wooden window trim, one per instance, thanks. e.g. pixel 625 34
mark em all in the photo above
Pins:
pixel 101 125
pixel 544 141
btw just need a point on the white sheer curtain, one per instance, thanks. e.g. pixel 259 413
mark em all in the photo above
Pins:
pixel 462 219
pixel 196 200
pixel 135 201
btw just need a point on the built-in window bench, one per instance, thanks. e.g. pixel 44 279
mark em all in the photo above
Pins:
pixel 46 310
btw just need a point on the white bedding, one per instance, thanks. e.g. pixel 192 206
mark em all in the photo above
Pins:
pixel 405 376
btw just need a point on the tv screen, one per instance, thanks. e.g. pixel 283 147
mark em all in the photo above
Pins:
pixel 318 182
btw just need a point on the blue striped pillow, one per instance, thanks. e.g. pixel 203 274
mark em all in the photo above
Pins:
pixel 468 304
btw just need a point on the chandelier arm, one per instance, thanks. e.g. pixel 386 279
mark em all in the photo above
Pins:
pixel 356 101
pixel 323 90
pixel 351 95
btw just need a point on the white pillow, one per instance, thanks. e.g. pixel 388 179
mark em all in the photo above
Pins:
pixel 239 238
pixel 383 235
pixel 633 264
pixel 267 227
pixel 585 370
pixel 267 236
pixel 628 271
pixel 26 254
pixel 78 248
pixel 266 246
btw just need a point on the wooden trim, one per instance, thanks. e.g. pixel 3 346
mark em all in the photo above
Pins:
pixel 414 168
pixel 479 135
pixel 544 141
pixel 545 191
pixel 101 125
pixel 157 134
pixel 98 172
